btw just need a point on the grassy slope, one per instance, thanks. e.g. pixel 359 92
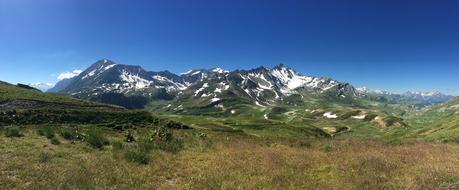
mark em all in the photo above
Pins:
pixel 242 150
pixel 294 119
pixel 28 106
pixel 437 123
pixel 222 160
pixel 10 92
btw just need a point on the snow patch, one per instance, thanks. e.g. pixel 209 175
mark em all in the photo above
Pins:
pixel 359 117
pixel 206 95
pixel 218 90
pixel 185 73
pixel 109 67
pixel 195 73
pixel 330 115
pixel 204 86
pixel 137 81
pixel 90 74
pixel 219 70
pixel 258 104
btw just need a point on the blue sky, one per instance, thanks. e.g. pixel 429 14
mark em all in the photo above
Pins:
pixel 396 45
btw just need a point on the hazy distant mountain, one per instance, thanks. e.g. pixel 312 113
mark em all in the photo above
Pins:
pixel 429 97
pixel 419 99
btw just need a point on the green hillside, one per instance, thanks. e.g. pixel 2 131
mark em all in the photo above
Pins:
pixel 13 93
pixel 20 104
pixel 437 123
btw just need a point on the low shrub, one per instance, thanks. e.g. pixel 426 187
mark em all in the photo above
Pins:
pixel 162 133
pixel 55 141
pixel 161 138
pixel 173 145
pixel 129 137
pixel 176 125
pixel 328 147
pixel 137 154
pixel 69 134
pixel 96 139
pixel 47 131
pixel 117 145
pixel 13 132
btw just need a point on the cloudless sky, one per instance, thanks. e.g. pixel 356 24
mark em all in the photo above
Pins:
pixel 395 45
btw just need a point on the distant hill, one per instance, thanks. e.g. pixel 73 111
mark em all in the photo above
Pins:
pixel 20 104
pixel 23 96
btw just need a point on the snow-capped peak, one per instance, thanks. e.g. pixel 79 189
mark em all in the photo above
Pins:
pixel 366 90
pixel 292 79
pixel 363 89
pixel 219 70
pixel 186 73
pixel 423 94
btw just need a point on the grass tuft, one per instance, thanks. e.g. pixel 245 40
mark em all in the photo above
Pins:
pixel 47 131
pixel 117 145
pixel 328 147
pixel 13 132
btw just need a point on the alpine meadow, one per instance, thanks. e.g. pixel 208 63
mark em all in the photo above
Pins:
pixel 242 94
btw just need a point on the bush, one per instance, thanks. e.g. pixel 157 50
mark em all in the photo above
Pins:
pixel 173 145
pixel 69 134
pixel 96 139
pixel 128 137
pixel 137 154
pixel 328 147
pixel 47 131
pixel 176 125
pixel 162 138
pixel 13 132
pixel 117 145
pixel 55 141
pixel 162 133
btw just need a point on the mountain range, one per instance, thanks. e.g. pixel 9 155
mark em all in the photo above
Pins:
pixel 133 87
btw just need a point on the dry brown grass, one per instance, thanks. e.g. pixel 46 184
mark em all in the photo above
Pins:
pixel 223 161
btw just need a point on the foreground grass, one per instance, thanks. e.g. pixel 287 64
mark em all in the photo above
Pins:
pixel 223 160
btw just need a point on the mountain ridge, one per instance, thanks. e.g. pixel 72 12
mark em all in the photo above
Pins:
pixel 261 86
